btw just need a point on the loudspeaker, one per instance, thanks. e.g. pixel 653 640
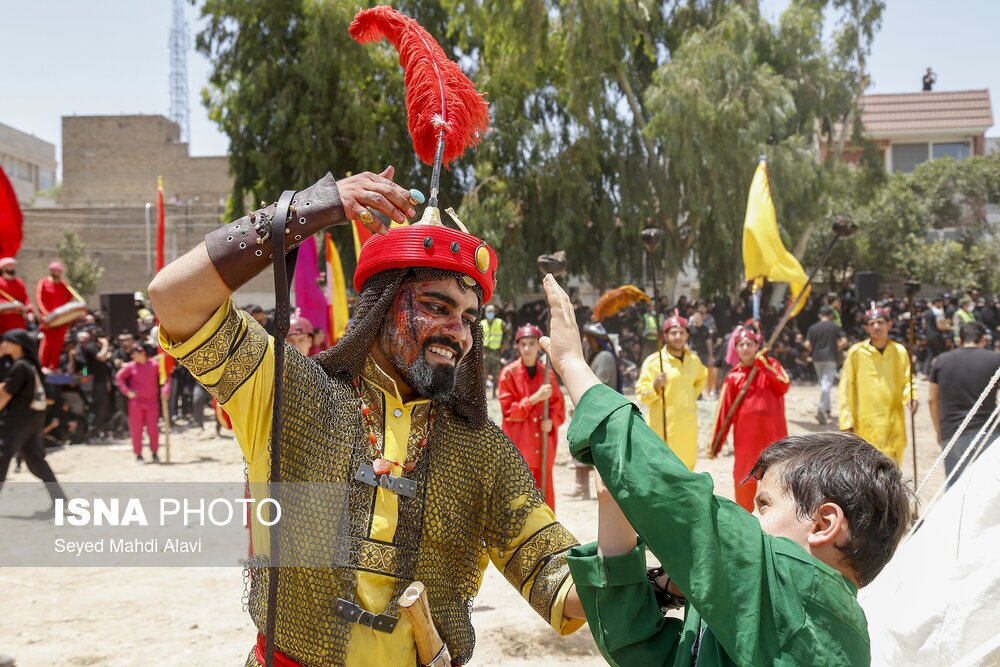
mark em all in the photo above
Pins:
pixel 120 313
pixel 866 284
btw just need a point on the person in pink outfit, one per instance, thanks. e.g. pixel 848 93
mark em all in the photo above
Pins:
pixel 139 381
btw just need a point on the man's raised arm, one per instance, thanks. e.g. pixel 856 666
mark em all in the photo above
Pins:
pixel 187 292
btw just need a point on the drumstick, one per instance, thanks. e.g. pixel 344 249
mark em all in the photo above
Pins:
pixel 431 650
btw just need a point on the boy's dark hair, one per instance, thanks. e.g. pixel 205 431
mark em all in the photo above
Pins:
pixel 845 469
pixel 971 332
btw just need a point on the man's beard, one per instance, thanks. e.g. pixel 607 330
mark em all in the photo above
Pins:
pixel 432 382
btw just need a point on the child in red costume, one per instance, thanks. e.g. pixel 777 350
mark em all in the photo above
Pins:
pixel 759 419
pixel 522 399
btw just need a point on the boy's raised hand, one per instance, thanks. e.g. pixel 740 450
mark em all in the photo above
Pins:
pixel 563 342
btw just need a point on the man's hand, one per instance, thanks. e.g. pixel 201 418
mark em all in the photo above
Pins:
pixel 544 392
pixel 660 382
pixel 546 425
pixel 366 190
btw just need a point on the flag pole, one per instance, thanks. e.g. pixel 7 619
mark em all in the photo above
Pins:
pixel 161 224
pixel 651 242
pixel 842 228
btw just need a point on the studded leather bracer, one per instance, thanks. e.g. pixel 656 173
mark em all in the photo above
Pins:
pixel 244 248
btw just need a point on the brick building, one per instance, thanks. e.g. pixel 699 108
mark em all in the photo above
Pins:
pixel 110 167
pixel 29 162
pixel 115 160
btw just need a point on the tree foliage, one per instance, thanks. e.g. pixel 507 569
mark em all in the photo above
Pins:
pixel 608 117
pixel 897 219
pixel 83 272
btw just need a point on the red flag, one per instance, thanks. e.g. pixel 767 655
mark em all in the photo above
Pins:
pixel 160 224
pixel 10 219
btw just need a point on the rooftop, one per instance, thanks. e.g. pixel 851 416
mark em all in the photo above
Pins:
pixel 926 112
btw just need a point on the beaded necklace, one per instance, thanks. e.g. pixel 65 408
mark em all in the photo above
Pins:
pixel 380 464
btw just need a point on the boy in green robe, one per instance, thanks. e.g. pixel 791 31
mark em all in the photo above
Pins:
pixel 778 587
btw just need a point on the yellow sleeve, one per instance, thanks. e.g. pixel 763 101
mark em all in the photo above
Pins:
pixel 644 385
pixel 700 377
pixel 535 564
pixel 233 358
pixel 846 390
pixel 909 385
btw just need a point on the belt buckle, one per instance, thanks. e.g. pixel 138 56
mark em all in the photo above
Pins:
pixel 353 613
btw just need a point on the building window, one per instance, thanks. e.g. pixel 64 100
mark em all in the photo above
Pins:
pixel 906 157
pixel 956 149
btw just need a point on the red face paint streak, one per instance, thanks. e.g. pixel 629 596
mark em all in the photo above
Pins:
pixel 415 322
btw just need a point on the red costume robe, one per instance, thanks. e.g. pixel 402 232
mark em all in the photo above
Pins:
pixel 12 319
pixel 49 295
pixel 522 421
pixel 759 420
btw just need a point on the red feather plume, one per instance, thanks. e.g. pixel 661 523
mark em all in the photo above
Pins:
pixel 438 94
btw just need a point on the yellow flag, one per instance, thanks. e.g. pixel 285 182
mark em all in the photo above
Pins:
pixel 338 291
pixel 764 255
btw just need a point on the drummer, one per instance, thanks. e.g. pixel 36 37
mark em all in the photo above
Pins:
pixel 13 297
pixel 51 292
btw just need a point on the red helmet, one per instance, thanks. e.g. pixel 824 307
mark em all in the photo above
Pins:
pixel 431 246
pixel 876 313
pixel 675 321
pixel 527 331
pixel 298 324
pixel 744 331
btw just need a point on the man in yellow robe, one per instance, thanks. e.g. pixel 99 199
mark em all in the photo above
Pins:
pixel 679 384
pixel 875 388
pixel 391 422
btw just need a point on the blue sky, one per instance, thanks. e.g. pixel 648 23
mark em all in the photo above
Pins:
pixel 67 57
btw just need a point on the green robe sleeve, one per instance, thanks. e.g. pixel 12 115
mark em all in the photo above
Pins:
pixel 714 551
pixel 621 610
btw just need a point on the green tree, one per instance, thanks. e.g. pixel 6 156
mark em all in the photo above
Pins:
pixel 608 117
pixel 894 223
pixel 83 272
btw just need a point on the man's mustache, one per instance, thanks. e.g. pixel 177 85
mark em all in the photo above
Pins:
pixel 444 342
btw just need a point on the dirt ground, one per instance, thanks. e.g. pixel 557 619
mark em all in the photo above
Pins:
pixel 184 616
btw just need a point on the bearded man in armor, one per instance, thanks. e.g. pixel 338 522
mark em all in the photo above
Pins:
pixel 394 415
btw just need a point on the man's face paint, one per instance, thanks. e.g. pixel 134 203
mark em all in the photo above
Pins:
pixel 428 333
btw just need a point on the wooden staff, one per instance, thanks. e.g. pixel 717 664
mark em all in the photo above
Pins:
pixel 842 228
pixel 545 435
pixel 911 290
pixel 431 649
pixel 651 241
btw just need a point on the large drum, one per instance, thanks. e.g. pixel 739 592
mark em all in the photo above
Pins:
pixel 65 314
pixel 11 307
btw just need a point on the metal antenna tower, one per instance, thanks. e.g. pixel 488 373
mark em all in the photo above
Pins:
pixel 179 44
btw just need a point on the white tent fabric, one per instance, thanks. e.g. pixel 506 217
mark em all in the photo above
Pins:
pixel 938 601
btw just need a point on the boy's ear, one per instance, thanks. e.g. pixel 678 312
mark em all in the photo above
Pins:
pixel 829 524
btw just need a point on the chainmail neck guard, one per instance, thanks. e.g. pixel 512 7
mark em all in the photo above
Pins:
pixel 345 359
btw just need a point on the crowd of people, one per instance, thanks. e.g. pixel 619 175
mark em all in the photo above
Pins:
pixel 103 383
